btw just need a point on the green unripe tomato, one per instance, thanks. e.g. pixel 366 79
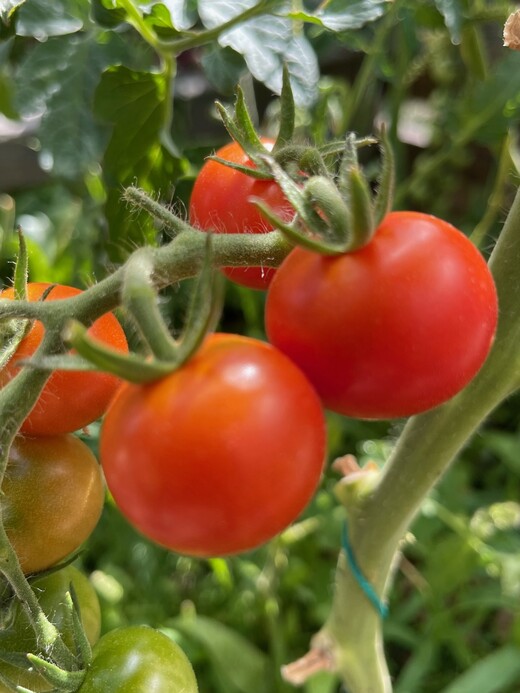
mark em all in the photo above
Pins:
pixel 138 659
pixel 17 635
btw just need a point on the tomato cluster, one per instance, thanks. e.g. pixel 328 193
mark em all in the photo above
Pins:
pixel 223 453
pixel 52 493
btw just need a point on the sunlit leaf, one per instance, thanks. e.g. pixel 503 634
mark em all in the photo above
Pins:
pixel 217 12
pixel 267 43
pixel 183 13
pixel 44 18
pixel 339 15
pixel 8 8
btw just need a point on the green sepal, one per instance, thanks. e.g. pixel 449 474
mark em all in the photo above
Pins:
pixel 362 223
pixel 309 229
pixel 83 647
pixel 140 299
pixel 252 172
pixel 311 161
pixel 131 367
pixel 349 160
pixel 250 141
pixel 205 307
pixel 12 331
pixel 335 148
pixel 356 193
pixel 385 192
pixel 287 113
pixel 21 268
pixel 66 681
pixel 241 128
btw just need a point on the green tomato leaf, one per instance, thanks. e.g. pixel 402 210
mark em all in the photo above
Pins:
pixel 8 8
pixel 452 13
pixel 244 674
pixel 339 15
pixel 56 81
pixel 138 152
pixel 183 13
pixel 223 67
pixel 267 43
pixel 217 12
pixel 135 102
pixel 44 18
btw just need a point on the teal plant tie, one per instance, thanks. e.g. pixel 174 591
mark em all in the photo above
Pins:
pixel 380 606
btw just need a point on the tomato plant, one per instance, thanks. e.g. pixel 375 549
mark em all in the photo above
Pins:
pixel 392 329
pixel 220 202
pixel 219 456
pixel 53 494
pixel 70 399
pixel 17 635
pixel 135 659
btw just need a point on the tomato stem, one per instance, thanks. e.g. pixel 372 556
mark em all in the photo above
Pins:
pixel 47 634
pixel 140 299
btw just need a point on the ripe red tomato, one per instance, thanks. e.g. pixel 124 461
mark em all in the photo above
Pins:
pixel 219 456
pixel 220 203
pixel 53 494
pixel 135 659
pixel 17 635
pixel 392 329
pixel 71 399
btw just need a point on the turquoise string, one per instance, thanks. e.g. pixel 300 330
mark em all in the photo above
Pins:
pixel 380 606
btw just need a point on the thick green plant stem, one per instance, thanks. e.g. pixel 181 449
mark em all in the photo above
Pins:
pixel 427 446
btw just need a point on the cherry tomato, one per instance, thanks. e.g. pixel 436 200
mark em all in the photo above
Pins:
pixel 392 329
pixel 220 203
pixel 219 456
pixel 53 494
pixel 71 399
pixel 17 635
pixel 138 659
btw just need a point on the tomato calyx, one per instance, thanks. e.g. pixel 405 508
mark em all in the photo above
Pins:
pixel 241 128
pixel 335 214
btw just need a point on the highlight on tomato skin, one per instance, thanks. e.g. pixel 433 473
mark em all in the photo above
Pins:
pixel 390 330
pixel 132 659
pixel 70 400
pixel 221 455
pixel 220 202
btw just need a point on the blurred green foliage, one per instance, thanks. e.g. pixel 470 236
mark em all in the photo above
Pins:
pixel 90 104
